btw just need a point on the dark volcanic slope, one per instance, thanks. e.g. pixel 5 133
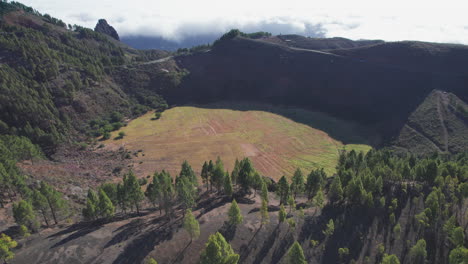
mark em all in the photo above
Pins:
pixel 350 85
pixel 438 124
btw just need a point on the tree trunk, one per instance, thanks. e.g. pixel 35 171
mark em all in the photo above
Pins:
pixel 137 208
pixel 53 211
pixel 45 218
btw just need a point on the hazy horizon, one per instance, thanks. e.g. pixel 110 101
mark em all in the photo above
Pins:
pixel 433 21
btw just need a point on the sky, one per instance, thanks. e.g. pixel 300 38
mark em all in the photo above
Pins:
pixel 390 20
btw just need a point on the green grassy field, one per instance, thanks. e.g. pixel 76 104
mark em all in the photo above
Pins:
pixel 276 144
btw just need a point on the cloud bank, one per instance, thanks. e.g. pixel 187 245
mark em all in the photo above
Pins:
pixel 429 20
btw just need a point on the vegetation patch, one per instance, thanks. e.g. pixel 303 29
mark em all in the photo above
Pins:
pixel 276 144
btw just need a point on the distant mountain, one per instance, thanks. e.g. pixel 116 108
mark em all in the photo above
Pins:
pixel 298 41
pixel 144 43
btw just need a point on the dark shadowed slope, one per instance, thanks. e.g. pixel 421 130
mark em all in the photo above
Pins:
pixel 438 124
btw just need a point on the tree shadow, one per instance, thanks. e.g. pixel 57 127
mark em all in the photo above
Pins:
pixel 77 234
pixel 137 250
pixel 180 255
pixel 228 231
pixel 267 246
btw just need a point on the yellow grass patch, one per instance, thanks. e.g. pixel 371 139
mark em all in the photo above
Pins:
pixel 276 145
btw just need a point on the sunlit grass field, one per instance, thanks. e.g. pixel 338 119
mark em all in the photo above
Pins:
pixel 276 144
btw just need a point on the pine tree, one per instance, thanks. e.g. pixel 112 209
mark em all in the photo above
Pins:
pixel 24 214
pixel 418 253
pixel 211 168
pixel 319 199
pixel 390 259
pixel 234 214
pixel 166 192
pixel 91 211
pixel 218 251
pixel 330 229
pixel 228 189
pixel 315 180
pixel 282 214
pixel 191 225
pixel 264 194
pixel 135 194
pixel 106 208
pixel 283 190
pixel 458 255
pixel 218 174
pixel 336 191
pixel 187 172
pixel 296 255
pixel 265 217
pixel 185 192
pixel 122 195
pixel 6 244
pixel 39 203
pixel 235 172
pixel 54 199
pixel 297 184
pixel 245 174
pixel 153 191
pixel 205 174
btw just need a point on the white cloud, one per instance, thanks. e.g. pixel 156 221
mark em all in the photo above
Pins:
pixel 426 20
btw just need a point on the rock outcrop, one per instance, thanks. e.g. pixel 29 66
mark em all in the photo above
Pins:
pixel 103 27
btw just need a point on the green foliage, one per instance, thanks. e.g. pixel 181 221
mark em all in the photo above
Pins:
pixel 24 214
pixel 315 181
pixel 397 231
pixel 235 33
pixel 296 254
pixel 228 189
pixel 235 171
pixel 330 228
pixel 185 192
pixel 106 208
pixel 297 184
pixel 319 199
pixel 390 259
pixel 457 236
pixel 264 194
pixel 283 190
pixel 336 191
pixel 218 251
pixel 24 231
pixel 205 174
pixel 265 217
pixel 217 177
pixel 246 172
pixel 134 193
pixel 91 212
pixel 458 255
pixel 282 214
pixel 191 225
pixel 343 253
pixel 234 214
pixel 6 244
pixel 39 202
pixel 151 261
pixel 418 253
